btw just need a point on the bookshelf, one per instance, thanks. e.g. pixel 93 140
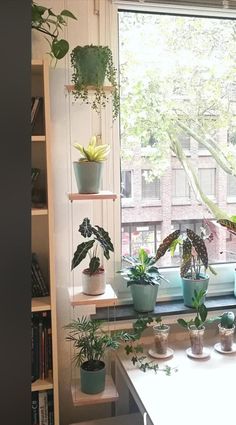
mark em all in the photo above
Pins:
pixel 42 220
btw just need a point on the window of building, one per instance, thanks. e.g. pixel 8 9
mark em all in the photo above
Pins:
pixel 150 189
pixel 231 186
pixel 138 235
pixel 207 180
pixel 180 185
pixel 126 184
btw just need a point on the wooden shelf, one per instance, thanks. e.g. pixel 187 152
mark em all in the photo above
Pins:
pixel 107 299
pixel 38 139
pixel 37 66
pixel 81 399
pixel 39 211
pixel 70 88
pixel 42 385
pixel 130 419
pixel 41 304
pixel 104 194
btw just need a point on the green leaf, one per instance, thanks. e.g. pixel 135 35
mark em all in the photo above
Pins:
pixel 203 312
pixel 182 323
pixel 81 253
pixel 197 322
pixel 60 48
pixel 85 228
pixel 94 265
pixel 67 13
pixel 233 218
pixel 104 239
pixel 142 256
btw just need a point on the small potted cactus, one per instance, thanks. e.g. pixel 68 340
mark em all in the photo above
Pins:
pixel 226 332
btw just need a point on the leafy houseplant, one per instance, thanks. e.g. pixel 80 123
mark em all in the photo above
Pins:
pixel 194 260
pixel 93 277
pixel 196 326
pixel 91 343
pixel 144 278
pixel 47 22
pixel 88 170
pixel 226 331
pixel 91 65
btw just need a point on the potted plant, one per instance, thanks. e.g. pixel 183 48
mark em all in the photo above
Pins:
pixel 93 277
pixel 196 327
pixel 47 22
pixel 194 261
pixel 88 170
pixel 91 343
pixel 226 332
pixel 91 65
pixel 144 278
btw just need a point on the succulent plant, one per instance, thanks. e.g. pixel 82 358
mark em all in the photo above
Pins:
pixel 227 320
pixel 92 152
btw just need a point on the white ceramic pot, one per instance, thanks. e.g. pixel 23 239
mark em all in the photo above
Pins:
pixel 94 284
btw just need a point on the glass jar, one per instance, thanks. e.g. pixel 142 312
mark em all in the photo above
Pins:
pixel 226 338
pixel 196 339
pixel 161 334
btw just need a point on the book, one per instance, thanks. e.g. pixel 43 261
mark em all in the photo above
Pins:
pixel 34 109
pixel 38 276
pixel 50 408
pixel 35 408
pixel 43 408
pixel 35 347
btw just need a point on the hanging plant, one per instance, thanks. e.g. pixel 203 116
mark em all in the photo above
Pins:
pixel 91 66
pixel 47 22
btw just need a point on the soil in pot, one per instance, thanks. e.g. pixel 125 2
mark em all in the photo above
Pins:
pixel 161 335
pixel 196 339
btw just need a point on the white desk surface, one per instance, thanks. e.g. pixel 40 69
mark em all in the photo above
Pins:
pixel 202 391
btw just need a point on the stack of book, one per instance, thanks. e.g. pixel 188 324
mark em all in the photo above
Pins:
pixel 42 408
pixel 39 285
pixel 41 346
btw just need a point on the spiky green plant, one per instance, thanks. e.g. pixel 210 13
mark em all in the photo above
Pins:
pixel 93 153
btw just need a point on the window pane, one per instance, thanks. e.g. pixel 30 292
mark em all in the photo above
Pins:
pixel 231 186
pixel 207 179
pixel 150 190
pixel 180 186
pixel 126 184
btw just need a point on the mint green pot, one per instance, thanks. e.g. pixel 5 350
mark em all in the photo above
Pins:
pixel 93 381
pixel 88 176
pixel 144 297
pixel 189 285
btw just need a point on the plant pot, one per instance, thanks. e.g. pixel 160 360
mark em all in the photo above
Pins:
pixel 226 338
pixel 196 339
pixel 161 334
pixel 92 376
pixel 144 297
pixel 94 284
pixel 189 285
pixel 88 176
pixel 91 63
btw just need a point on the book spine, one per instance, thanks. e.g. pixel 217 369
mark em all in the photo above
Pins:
pixel 36 345
pixel 35 408
pixel 50 408
pixel 34 110
pixel 40 327
pixel 36 289
pixel 39 275
pixel 43 408
pixel 50 351
pixel 46 324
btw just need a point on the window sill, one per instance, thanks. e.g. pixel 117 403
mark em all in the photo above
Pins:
pixel 167 308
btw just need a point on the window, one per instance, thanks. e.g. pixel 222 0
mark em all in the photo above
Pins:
pixel 231 188
pixel 126 184
pixel 180 185
pixel 207 180
pixel 173 99
pixel 138 235
pixel 150 189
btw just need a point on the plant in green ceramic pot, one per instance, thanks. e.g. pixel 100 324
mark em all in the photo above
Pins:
pixel 91 343
pixel 50 24
pixel 93 277
pixel 144 278
pixel 88 170
pixel 194 261
pixel 91 66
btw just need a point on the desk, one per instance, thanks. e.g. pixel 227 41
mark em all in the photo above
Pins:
pixel 202 391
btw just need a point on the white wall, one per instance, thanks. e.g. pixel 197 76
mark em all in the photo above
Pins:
pixel 74 122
